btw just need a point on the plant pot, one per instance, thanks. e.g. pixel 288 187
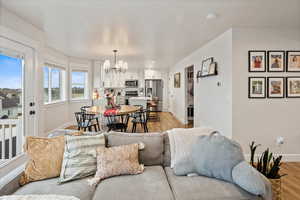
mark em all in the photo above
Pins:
pixel 276 188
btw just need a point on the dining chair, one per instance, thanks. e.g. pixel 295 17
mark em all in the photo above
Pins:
pixel 94 117
pixel 117 122
pixel 142 119
pixel 85 121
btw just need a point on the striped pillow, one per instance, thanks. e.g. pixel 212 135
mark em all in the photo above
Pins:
pixel 80 157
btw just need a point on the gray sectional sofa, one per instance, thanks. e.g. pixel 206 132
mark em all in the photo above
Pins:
pixel 157 182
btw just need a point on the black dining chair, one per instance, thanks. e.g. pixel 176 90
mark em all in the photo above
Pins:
pixel 85 121
pixel 117 122
pixel 94 117
pixel 142 119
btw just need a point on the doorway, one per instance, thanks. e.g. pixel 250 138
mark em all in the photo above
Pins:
pixel 16 98
pixel 189 94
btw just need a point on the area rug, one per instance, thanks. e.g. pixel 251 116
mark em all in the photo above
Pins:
pixel 38 197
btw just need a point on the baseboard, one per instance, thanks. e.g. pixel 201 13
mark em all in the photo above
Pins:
pixel 285 157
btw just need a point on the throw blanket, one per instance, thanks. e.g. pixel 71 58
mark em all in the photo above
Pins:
pixel 181 142
pixel 112 111
pixel 38 197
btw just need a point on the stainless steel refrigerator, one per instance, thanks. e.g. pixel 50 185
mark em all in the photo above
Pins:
pixel 154 89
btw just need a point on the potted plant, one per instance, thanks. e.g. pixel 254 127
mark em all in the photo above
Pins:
pixel 269 166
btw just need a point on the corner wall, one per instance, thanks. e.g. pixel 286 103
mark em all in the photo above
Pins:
pixel 263 120
pixel 212 103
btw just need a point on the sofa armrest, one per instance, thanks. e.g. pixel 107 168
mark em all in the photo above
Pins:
pixel 11 186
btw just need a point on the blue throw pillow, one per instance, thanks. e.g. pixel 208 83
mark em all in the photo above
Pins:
pixel 248 178
pixel 215 156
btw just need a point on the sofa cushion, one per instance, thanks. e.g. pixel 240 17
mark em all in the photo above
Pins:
pixel 80 157
pixel 204 188
pixel 45 158
pixel 152 184
pixel 181 143
pixel 154 145
pixel 167 151
pixel 116 161
pixel 216 155
pixel 78 188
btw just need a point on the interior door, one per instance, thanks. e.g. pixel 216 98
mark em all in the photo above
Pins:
pixel 17 107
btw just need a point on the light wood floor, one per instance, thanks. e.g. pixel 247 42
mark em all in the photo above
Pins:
pixel 290 183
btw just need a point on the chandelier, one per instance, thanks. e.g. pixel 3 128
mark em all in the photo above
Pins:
pixel 118 66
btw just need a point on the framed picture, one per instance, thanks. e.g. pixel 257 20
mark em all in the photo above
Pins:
pixel 257 61
pixel 257 87
pixel 177 80
pixel 275 87
pixel 205 69
pixel 276 61
pixel 293 87
pixel 293 61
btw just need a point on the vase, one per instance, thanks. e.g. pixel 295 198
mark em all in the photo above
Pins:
pixel 276 188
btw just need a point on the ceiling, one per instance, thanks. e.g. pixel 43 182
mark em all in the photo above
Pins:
pixel 147 33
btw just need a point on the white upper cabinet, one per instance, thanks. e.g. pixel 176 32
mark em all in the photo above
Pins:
pixel 153 74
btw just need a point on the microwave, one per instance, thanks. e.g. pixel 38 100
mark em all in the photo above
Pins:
pixel 131 83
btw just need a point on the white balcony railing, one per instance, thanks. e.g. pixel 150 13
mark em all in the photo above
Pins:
pixel 11 138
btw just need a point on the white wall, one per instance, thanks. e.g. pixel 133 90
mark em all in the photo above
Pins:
pixel 263 120
pixel 212 103
pixel 53 115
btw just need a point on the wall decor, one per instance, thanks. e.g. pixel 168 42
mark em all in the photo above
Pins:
pixel 276 61
pixel 293 87
pixel 208 68
pixel 257 87
pixel 257 61
pixel 275 87
pixel 177 80
pixel 293 61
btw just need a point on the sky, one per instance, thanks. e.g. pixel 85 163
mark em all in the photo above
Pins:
pixel 10 72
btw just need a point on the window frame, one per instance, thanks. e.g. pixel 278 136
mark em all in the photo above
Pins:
pixel 62 83
pixel 86 85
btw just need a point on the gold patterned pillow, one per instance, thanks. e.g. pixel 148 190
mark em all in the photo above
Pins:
pixel 114 161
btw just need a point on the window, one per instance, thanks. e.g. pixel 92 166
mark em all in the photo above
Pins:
pixel 79 85
pixel 53 84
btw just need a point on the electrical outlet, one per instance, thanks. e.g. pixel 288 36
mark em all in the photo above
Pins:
pixel 280 140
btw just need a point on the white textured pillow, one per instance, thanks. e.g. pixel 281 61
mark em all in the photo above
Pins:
pixel 181 142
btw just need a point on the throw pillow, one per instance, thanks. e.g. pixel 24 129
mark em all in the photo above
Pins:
pixel 45 158
pixel 114 161
pixel 248 178
pixel 79 157
pixel 154 145
pixel 181 142
pixel 215 156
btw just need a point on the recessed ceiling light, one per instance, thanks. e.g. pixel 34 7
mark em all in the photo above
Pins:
pixel 211 16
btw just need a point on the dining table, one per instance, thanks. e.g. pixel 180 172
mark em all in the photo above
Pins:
pixel 120 110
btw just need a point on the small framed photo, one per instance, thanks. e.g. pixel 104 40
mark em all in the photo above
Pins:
pixel 293 61
pixel 276 61
pixel 205 69
pixel 275 87
pixel 257 61
pixel 177 80
pixel 257 87
pixel 293 87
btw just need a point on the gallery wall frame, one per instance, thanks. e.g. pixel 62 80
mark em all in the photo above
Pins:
pixel 293 61
pixel 276 61
pixel 276 87
pixel 257 61
pixel 256 87
pixel 293 87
